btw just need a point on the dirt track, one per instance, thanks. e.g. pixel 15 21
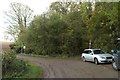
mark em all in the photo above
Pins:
pixel 72 68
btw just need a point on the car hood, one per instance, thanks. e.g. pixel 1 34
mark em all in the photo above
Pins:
pixel 104 55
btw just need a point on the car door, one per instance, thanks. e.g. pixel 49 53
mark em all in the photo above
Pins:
pixel 86 54
pixel 90 55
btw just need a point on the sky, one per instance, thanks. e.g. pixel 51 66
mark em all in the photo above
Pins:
pixel 38 6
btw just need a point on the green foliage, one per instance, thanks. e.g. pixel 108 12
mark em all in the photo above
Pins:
pixel 15 68
pixel 103 25
pixel 8 58
pixel 12 67
pixel 68 27
pixel 34 71
pixel 73 42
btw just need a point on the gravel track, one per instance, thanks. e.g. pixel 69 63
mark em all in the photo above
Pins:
pixel 71 68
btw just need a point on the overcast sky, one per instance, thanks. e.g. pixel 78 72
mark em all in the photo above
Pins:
pixel 38 6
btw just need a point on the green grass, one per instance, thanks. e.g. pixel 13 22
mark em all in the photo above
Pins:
pixel 56 57
pixel 35 55
pixel 44 56
pixel 34 71
pixel 31 71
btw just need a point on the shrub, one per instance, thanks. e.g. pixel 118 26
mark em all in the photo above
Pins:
pixel 12 67
pixel 8 58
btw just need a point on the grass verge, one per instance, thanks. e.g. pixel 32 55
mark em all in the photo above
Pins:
pixel 29 71
pixel 56 57
pixel 34 71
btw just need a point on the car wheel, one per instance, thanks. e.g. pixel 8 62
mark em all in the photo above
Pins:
pixel 83 58
pixel 114 65
pixel 96 61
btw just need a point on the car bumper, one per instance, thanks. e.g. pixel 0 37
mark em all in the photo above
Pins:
pixel 105 61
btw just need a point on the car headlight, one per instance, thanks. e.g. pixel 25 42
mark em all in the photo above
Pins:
pixel 103 57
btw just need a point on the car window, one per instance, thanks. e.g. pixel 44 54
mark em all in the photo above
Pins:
pixel 87 51
pixel 98 52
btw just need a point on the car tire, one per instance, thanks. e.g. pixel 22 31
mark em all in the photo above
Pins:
pixel 83 58
pixel 96 61
pixel 114 66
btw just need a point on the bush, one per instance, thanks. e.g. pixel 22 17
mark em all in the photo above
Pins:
pixel 12 67
pixel 8 58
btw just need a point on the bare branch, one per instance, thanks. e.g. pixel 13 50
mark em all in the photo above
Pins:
pixel 18 18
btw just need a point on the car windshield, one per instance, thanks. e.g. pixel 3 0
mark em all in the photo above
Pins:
pixel 98 52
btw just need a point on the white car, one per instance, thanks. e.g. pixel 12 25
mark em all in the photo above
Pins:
pixel 96 55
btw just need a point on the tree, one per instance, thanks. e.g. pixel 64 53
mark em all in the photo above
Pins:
pixel 64 7
pixel 103 25
pixel 63 30
pixel 58 32
pixel 45 34
pixel 76 29
pixel 18 17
